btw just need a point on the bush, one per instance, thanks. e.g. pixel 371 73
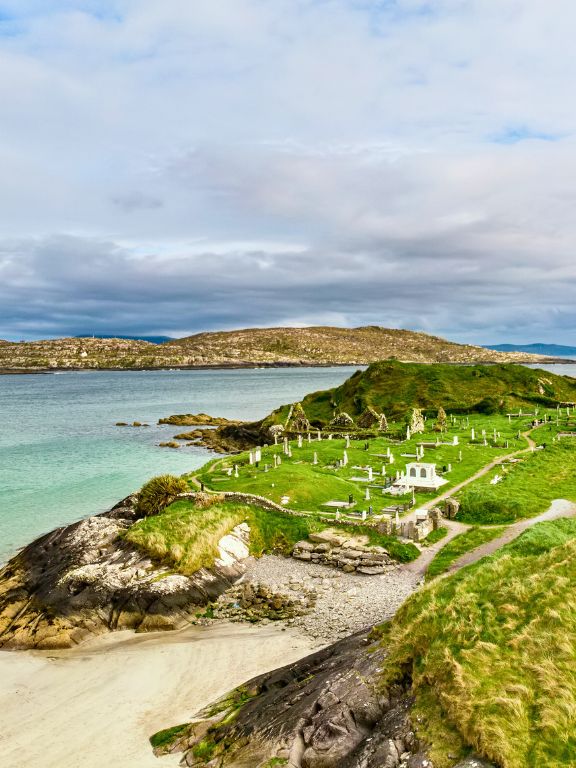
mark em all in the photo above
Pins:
pixel 158 493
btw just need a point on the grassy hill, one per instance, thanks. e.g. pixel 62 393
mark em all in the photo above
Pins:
pixel 254 346
pixel 491 654
pixel 393 388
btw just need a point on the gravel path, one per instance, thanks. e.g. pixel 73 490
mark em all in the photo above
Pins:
pixel 346 602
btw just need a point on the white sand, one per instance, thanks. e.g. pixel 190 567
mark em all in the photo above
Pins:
pixel 97 705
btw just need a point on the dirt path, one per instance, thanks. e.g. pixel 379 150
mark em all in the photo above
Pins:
pixel 558 508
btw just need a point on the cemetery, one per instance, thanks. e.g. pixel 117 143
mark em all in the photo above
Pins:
pixel 351 476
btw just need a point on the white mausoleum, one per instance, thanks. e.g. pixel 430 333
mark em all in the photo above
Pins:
pixel 420 474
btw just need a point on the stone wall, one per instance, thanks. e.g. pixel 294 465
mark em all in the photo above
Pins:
pixel 329 548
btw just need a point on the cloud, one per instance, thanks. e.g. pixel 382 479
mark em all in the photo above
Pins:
pixel 179 166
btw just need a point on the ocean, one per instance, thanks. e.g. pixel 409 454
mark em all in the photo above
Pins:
pixel 62 457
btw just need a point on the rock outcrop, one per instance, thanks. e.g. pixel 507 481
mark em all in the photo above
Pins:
pixel 325 711
pixel 85 580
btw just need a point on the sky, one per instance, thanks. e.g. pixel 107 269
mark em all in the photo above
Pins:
pixel 190 165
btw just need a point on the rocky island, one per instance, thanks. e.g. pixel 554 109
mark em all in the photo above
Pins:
pixel 321 345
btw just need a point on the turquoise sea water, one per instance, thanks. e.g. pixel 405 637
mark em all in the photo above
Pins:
pixel 62 457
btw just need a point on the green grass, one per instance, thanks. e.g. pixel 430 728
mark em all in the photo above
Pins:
pixel 435 536
pixel 309 486
pixel 394 388
pixel 527 488
pixel 185 536
pixel 491 654
pixel 459 545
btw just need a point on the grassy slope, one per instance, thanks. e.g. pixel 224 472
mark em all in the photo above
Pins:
pixel 491 652
pixel 186 537
pixel 394 388
pixel 527 488
pixel 459 545
pixel 309 486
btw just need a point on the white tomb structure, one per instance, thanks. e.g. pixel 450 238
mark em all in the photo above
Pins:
pixel 420 474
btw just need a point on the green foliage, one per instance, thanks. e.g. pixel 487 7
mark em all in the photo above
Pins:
pixel 167 737
pixel 159 492
pixel 492 651
pixel 459 545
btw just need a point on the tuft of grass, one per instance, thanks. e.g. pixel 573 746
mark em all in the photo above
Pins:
pixel 159 492
pixel 491 653
pixel 465 542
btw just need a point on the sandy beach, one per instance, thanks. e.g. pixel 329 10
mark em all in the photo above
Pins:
pixel 97 705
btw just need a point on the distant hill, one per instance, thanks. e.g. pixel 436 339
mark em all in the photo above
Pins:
pixel 151 339
pixel 251 347
pixel 394 388
pixel 328 345
pixel 554 350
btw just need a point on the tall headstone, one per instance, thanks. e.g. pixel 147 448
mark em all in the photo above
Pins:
pixel 345 459
pixel 251 458
pixel 347 441
pixel 315 459
pixel 370 474
pixel 473 434
pixel 258 455
pixel 367 495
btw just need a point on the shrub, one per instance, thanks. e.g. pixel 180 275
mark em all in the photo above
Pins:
pixel 158 493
